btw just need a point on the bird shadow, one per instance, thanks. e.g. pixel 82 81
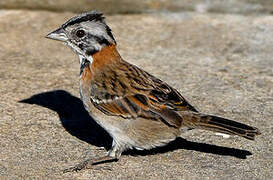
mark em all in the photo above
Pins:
pixel 73 116
pixel 76 120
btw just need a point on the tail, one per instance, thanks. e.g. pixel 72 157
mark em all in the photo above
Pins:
pixel 219 124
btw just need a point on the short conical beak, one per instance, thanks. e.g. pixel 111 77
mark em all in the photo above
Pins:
pixel 58 34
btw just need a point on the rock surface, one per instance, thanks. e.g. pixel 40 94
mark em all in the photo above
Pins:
pixel 128 6
pixel 221 63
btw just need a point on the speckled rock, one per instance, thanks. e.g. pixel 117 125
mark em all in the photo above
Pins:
pixel 221 63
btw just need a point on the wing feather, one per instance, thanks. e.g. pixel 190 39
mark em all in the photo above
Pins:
pixel 138 94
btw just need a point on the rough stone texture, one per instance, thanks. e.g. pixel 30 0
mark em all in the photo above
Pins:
pixel 128 6
pixel 221 63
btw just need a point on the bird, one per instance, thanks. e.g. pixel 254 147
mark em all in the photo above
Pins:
pixel 137 109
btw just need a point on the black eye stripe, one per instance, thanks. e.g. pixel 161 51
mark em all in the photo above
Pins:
pixel 101 40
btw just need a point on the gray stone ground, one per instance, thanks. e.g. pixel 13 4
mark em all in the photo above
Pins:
pixel 223 64
pixel 140 6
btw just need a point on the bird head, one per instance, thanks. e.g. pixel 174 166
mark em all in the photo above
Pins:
pixel 86 34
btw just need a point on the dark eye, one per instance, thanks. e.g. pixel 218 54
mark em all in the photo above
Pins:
pixel 80 33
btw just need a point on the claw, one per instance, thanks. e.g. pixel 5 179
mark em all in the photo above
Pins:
pixel 77 168
pixel 90 163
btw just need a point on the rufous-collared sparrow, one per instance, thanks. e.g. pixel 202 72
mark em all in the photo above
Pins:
pixel 137 109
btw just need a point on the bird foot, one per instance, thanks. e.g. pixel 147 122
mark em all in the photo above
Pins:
pixel 90 164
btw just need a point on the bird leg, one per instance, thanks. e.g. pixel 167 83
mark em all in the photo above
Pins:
pixel 113 155
pixel 90 163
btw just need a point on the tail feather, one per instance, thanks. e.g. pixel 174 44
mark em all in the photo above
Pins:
pixel 222 125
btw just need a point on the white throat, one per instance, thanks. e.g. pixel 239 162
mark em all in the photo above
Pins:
pixel 78 51
pixel 81 59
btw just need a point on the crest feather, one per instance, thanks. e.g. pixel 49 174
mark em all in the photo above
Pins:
pixel 86 16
